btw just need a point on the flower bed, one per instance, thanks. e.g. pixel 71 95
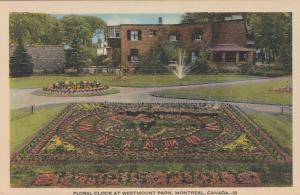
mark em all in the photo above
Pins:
pixel 82 88
pixel 148 179
pixel 135 133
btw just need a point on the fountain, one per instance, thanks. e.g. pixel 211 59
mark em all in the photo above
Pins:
pixel 181 69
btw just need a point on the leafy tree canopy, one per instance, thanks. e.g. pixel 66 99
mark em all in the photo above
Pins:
pixel 44 29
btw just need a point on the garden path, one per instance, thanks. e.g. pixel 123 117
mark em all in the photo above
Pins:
pixel 20 98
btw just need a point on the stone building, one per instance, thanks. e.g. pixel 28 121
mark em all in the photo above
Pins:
pixel 46 58
pixel 229 49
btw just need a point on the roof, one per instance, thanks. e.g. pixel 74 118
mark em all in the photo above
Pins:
pixel 229 47
pixel 180 24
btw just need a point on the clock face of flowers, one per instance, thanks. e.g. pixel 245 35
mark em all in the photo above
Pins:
pixel 94 132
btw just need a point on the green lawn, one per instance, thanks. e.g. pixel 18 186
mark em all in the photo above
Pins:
pixel 130 80
pixel 279 127
pixel 251 92
pixel 23 124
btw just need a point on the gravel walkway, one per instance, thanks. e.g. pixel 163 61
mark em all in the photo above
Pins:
pixel 20 98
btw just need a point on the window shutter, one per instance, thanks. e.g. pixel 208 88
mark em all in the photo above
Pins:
pixel 154 32
pixel 140 35
pixel 193 36
pixel 177 36
pixel 128 34
pixel 129 58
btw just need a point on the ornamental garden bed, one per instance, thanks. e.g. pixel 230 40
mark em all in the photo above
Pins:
pixel 76 89
pixel 126 133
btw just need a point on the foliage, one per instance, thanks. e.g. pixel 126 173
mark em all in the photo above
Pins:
pixel 272 33
pixel 158 59
pixel 201 63
pixel 267 71
pixel 76 27
pixel 56 145
pixel 44 29
pixel 242 143
pixel 20 63
pixel 103 60
pixel 76 57
pixel 34 28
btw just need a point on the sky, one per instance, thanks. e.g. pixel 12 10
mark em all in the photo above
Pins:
pixel 115 19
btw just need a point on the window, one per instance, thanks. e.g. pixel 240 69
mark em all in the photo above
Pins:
pixel 134 35
pixel 152 33
pixel 217 57
pixel 113 32
pixel 174 36
pixel 194 56
pixel 198 35
pixel 243 56
pixel 134 55
pixel 230 56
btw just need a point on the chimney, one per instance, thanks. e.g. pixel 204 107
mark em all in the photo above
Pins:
pixel 160 20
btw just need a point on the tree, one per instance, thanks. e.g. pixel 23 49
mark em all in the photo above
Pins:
pixel 201 63
pixel 20 63
pixel 96 25
pixel 272 33
pixel 83 27
pixel 158 59
pixel 76 56
pixel 44 29
pixel 34 28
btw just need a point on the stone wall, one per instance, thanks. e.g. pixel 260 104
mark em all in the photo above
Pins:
pixel 46 58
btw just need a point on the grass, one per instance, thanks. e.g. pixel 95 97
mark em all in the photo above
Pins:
pixel 249 93
pixel 24 125
pixel 278 126
pixel 128 81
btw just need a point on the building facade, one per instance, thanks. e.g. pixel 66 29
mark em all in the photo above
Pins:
pixel 226 41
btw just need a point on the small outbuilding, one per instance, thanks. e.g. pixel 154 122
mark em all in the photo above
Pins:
pixel 230 56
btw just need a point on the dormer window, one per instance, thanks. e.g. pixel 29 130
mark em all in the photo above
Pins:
pixel 134 35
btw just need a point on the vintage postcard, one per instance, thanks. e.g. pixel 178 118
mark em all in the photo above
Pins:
pixel 187 101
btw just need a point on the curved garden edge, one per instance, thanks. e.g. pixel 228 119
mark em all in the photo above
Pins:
pixel 40 92
pixel 155 94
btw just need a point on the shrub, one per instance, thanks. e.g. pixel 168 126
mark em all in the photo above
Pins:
pixel 201 63
pixel 276 73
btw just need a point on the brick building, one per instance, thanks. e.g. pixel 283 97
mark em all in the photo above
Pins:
pixel 128 42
